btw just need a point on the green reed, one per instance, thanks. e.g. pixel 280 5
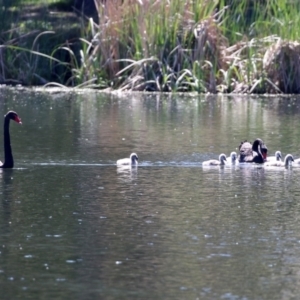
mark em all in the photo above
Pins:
pixel 196 45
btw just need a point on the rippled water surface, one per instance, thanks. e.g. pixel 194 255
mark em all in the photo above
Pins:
pixel 74 226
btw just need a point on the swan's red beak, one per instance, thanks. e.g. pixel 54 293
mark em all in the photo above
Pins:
pixel 264 154
pixel 18 119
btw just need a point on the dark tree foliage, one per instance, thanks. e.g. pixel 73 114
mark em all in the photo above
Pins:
pixel 87 7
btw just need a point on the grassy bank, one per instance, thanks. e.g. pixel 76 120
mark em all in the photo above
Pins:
pixel 201 46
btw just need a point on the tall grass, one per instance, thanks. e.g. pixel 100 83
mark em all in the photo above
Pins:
pixel 27 47
pixel 261 18
pixel 191 45
pixel 150 45
pixel 200 45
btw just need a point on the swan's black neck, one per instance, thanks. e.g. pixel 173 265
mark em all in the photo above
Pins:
pixel 8 157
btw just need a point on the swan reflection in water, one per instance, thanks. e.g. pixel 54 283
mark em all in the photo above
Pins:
pixel 127 173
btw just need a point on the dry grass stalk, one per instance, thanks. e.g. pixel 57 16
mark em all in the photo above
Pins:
pixel 208 46
pixel 282 66
pixel 116 18
pixel 245 67
pixel 200 56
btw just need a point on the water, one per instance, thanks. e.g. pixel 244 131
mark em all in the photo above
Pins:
pixel 74 226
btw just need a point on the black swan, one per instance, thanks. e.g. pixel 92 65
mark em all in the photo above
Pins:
pixel 132 160
pixel 275 163
pixel 215 162
pixel 256 152
pixel 8 158
pixel 277 157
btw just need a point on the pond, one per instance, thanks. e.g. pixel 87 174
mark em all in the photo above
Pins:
pixel 73 225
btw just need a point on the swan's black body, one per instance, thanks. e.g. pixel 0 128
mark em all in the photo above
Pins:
pixel 8 157
pixel 256 152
